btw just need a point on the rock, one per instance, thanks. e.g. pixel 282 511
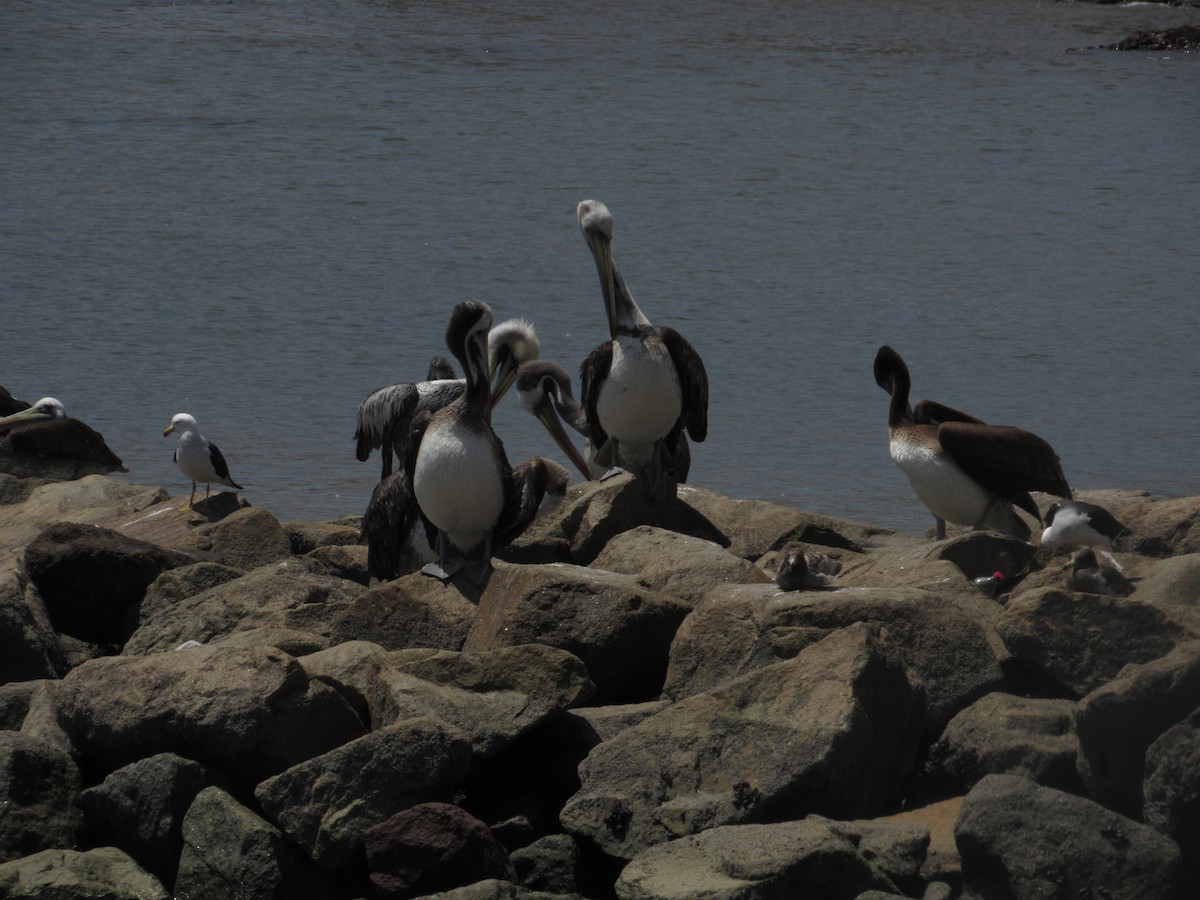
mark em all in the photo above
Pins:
pixel 39 796
pixel 548 864
pixel 1185 37
pixel 1163 528
pixel 29 648
pixel 607 721
pixel 229 853
pixel 288 594
pixel 1172 790
pixel 88 576
pixel 1081 641
pixel 1005 734
pixel 621 631
pixel 737 629
pixel 412 611
pixel 1119 720
pixel 675 564
pixel 343 561
pixel 305 537
pixel 1020 840
pixel 14 703
pixel 432 847
pixel 105 872
pixel 808 858
pixel 250 712
pixel 981 553
pixel 247 539
pixel 140 808
pixel 598 511
pixel 796 737
pixel 1171 581
pixel 290 641
pixel 942 865
pixel 327 803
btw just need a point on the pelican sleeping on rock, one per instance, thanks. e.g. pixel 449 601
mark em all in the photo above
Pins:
pixel 646 385
pixel 456 476
pixel 384 418
pixel 42 441
pixel 198 458
pixel 964 470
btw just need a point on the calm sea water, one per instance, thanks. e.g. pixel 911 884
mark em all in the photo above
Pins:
pixel 257 212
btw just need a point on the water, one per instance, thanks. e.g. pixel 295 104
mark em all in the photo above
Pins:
pixel 258 212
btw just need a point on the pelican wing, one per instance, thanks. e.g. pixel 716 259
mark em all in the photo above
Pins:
pixel 524 488
pixel 1008 461
pixel 10 404
pixel 386 523
pixel 591 376
pixel 380 413
pixel 693 382
pixel 63 439
pixel 930 412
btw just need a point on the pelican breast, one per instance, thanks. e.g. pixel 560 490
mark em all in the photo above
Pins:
pixel 640 400
pixel 458 480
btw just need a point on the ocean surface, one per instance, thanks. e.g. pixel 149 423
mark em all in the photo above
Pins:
pixel 258 212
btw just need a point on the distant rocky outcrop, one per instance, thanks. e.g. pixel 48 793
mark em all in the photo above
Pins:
pixel 214 704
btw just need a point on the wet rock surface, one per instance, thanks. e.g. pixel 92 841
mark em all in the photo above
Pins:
pixel 211 703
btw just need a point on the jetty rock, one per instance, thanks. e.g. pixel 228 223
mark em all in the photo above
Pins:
pixel 212 703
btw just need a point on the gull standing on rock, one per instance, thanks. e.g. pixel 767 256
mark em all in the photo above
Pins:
pixel 198 458
pixel 646 385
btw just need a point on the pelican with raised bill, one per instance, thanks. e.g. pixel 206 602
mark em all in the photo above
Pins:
pixel 646 385
pixel 42 441
pixel 458 478
pixel 964 470
pixel 384 418
pixel 198 458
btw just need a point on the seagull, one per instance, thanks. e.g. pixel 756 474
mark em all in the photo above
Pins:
pixel 42 441
pixel 1090 577
pixel 1079 524
pixel 198 458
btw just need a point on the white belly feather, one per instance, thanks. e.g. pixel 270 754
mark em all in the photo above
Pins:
pixel 458 483
pixel 640 400
pixel 940 484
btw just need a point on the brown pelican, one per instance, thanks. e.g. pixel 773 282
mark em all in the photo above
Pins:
pixel 1081 524
pixel 384 417
pixel 42 441
pixel 801 569
pixel 459 479
pixel 10 404
pixel 197 457
pixel 544 391
pixel 962 469
pixel 1090 577
pixel 643 387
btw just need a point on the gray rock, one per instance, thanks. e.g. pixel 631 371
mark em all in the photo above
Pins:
pixel 1119 720
pixel 1163 528
pixel 140 808
pixel 808 858
pixel 306 537
pixel 287 594
pixel 1005 734
pixel 343 561
pixel 246 539
pixel 327 803
pixel 621 631
pixel 105 872
pixel 1081 641
pixel 1169 581
pixel 229 853
pixel 548 864
pixel 14 703
pixel 737 629
pixel 39 796
pixel 788 739
pixel 607 721
pixel 1172 789
pixel 1019 840
pixel 676 564
pixel 249 712
pixel 29 648
pixel 88 576
pixel 411 611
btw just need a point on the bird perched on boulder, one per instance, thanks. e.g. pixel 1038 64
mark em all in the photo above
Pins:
pixel 1090 577
pixel 42 441
pixel 801 569
pixel 198 458
pixel 1078 524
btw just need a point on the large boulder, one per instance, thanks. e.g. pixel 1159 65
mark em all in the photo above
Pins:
pixel 246 539
pixel 327 803
pixel 230 853
pixel 739 628
pixel 251 712
pixel 88 576
pixel 620 630
pixel 1019 840
pixel 414 610
pixel 1172 789
pixel 1163 528
pixel 1119 720
pixel 39 796
pixel 59 874
pixel 29 647
pixel 833 731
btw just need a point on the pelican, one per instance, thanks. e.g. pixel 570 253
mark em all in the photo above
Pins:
pixel 1082 525
pixel 10 404
pixel 383 418
pixel 643 387
pixel 458 475
pixel 963 470
pixel 1090 577
pixel 42 441
pixel 544 391
pixel 802 569
pixel 198 458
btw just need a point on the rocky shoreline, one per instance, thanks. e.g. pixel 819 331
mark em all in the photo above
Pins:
pixel 214 704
